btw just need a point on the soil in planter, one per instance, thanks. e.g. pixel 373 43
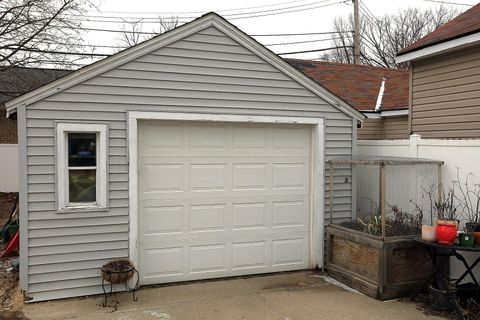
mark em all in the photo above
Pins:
pixel 117 271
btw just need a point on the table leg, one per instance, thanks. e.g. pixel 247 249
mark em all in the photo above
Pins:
pixel 437 265
pixel 469 269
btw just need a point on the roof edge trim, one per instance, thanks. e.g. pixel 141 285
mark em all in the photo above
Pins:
pixel 438 48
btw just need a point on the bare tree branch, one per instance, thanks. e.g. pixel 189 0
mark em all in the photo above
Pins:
pixel 132 31
pixel 33 32
pixel 383 37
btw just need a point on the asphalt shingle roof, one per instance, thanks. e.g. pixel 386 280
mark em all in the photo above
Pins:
pixel 16 81
pixel 463 25
pixel 358 85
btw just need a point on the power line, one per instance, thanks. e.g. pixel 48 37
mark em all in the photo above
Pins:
pixel 93 46
pixel 367 11
pixel 299 42
pixel 366 16
pixel 316 50
pixel 448 2
pixel 298 34
pixel 252 35
pixel 226 15
pixel 245 15
pixel 189 12
pixel 80 54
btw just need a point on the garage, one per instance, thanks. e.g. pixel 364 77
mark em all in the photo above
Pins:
pixel 222 199
pixel 197 154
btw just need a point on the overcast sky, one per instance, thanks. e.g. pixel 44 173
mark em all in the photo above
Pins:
pixel 265 17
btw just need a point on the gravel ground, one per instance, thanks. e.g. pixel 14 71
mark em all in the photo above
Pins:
pixel 10 298
pixel 7 200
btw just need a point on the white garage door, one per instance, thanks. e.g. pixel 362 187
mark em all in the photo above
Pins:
pixel 222 199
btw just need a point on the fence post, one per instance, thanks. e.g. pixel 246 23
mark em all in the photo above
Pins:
pixel 414 142
pixel 382 198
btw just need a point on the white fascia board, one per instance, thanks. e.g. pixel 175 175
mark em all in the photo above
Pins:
pixel 439 48
pixel 393 113
pixel 170 37
pixel 386 114
pixel 372 115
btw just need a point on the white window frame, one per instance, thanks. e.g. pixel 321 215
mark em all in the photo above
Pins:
pixel 63 129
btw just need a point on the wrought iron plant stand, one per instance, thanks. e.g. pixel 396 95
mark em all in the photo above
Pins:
pixel 119 275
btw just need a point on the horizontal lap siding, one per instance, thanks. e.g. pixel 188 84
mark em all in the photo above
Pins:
pixel 395 127
pixel 372 129
pixel 205 73
pixel 446 95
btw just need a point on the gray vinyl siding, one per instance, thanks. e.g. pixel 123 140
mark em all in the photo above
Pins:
pixel 446 95
pixel 203 73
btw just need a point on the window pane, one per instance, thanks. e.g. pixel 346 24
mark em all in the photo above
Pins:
pixel 82 149
pixel 82 185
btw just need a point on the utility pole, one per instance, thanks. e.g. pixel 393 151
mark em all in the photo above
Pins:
pixel 356 34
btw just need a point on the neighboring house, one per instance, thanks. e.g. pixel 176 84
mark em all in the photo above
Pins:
pixel 196 154
pixel 13 83
pixel 445 79
pixel 381 94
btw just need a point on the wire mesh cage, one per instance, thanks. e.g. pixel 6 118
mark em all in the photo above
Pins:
pixel 391 196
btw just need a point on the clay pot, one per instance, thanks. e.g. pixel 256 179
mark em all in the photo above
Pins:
pixel 446 232
pixel 476 235
pixel 429 233
pixel 471 227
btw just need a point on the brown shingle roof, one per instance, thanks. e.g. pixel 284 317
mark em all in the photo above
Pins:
pixel 463 25
pixel 358 85
pixel 17 81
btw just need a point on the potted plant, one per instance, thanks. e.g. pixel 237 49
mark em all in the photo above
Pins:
pixel 447 214
pixel 469 200
pixel 117 271
pixel 428 230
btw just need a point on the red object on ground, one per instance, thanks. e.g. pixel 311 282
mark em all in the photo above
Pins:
pixel 446 233
pixel 12 245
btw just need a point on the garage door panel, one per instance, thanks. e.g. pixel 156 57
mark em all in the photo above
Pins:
pixel 166 261
pixel 250 215
pixel 163 178
pixel 208 177
pixel 210 217
pixel 248 255
pixel 290 175
pixel 208 137
pixel 291 139
pixel 208 258
pixel 289 214
pixel 247 137
pixel 159 220
pixel 288 252
pixel 222 199
pixel 251 176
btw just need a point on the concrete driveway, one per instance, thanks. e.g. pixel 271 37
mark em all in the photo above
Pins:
pixel 289 296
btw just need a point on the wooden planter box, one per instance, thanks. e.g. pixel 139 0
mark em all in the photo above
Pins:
pixel 380 268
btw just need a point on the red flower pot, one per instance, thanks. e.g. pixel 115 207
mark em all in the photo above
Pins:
pixel 446 233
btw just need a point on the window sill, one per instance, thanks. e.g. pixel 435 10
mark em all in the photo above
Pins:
pixel 83 209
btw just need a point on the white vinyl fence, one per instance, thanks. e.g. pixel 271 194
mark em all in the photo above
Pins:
pixel 459 155
pixel 8 168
